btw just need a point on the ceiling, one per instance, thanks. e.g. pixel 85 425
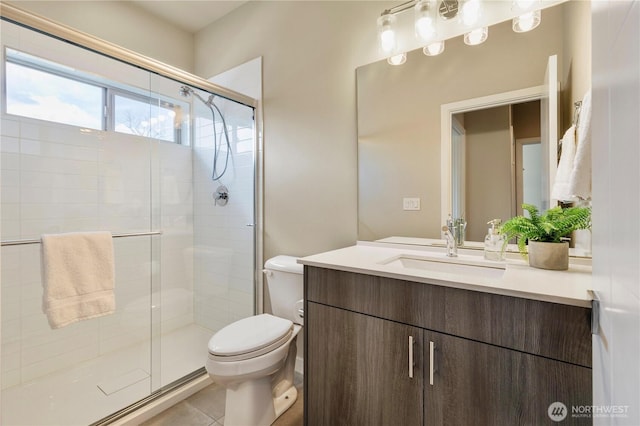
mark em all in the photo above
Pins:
pixel 191 16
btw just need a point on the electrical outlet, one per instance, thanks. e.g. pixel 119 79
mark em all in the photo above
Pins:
pixel 411 204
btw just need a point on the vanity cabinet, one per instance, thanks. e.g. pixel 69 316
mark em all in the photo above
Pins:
pixel 474 383
pixel 479 358
pixel 361 374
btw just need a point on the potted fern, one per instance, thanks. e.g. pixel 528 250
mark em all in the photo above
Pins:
pixel 546 234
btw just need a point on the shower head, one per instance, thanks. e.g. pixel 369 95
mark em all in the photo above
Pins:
pixel 185 91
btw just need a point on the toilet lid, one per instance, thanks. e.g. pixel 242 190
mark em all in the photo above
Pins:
pixel 249 335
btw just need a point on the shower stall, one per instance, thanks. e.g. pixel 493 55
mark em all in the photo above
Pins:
pixel 90 142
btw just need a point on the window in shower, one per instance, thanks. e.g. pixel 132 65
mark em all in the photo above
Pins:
pixel 140 115
pixel 45 90
pixel 40 94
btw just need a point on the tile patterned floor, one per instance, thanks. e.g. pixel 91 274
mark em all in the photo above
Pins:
pixel 206 408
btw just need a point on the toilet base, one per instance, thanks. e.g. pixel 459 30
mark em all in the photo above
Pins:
pixel 284 401
pixel 252 403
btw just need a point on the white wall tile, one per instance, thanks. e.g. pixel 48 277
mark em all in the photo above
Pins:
pixel 10 161
pixel 9 127
pixel 9 144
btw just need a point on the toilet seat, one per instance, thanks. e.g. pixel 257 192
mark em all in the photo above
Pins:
pixel 250 337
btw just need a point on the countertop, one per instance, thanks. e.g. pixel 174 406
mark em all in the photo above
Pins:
pixel 571 287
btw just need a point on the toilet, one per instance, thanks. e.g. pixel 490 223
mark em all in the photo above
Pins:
pixel 254 358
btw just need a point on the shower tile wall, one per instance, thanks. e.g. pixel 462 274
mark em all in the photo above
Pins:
pixel 56 178
pixel 223 243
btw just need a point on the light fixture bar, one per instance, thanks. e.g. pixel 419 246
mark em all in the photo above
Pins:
pixel 400 8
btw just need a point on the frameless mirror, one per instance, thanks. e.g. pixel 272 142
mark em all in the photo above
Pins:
pixel 405 180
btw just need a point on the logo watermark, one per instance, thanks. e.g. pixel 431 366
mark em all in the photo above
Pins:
pixel 557 411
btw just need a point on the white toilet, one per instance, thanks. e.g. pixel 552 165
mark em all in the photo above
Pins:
pixel 254 358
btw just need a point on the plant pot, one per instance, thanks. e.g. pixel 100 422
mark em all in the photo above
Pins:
pixel 554 256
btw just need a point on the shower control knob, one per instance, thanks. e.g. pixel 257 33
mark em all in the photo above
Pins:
pixel 221 196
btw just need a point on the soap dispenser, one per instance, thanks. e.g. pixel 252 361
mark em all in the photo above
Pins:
pixel 494 241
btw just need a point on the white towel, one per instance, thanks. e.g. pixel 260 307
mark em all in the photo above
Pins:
pixel 565 166
pixel 580 179
pixel 77 276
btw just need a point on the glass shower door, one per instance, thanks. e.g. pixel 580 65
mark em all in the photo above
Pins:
pixel 152 176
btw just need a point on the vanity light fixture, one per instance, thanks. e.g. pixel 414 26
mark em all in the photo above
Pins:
pixel 429 14
pixel 433 49
pixel 526 22
pixel 477 36
pixel 426 15
pixel 397 59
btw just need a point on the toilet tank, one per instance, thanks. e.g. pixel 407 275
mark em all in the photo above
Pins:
pixel 284 278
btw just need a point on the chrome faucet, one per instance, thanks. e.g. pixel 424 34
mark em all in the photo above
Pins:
pixel 452 247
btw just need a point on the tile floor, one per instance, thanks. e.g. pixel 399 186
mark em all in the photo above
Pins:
pixel 206 408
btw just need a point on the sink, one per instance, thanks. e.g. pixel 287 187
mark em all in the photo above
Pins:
pixel 471 267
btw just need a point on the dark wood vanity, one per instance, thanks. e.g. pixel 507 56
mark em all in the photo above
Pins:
pixel 475 358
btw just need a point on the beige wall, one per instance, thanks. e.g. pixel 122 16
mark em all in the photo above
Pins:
pixel 488 171
pixel 576 64
pixel 310 51
pixel 526 120
pixel 122 23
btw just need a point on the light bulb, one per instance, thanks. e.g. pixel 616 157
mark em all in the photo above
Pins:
pixel 434 49
pixel 477 36
pixel 388 40
pixel 425 30
pixel 424 21
pixel 470 12
pixel 523 4
pixel 397 59
pixel 526 22
pixel 386 33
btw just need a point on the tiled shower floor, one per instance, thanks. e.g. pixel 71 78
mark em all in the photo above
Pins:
pixel 206 408
pixel 77 396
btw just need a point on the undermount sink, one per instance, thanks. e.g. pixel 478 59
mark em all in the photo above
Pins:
pixel 449 265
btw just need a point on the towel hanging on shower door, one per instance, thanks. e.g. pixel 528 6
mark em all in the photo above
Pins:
pixel 77 276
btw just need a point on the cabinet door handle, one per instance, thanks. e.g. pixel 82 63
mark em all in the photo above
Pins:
pixel 432 349
pixel 411 342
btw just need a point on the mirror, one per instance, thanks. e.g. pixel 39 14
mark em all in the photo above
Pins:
pixel 401 188
pixel 486 143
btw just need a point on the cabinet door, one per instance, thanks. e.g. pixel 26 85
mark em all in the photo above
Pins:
pixel 475 383
pixel 357 370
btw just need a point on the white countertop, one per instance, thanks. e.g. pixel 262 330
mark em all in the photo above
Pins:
pixel 571 287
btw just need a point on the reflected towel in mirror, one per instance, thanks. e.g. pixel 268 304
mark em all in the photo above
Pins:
pixel 580 178
pixel 565 166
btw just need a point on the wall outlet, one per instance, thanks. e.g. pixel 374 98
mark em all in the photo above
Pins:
pixel 411 204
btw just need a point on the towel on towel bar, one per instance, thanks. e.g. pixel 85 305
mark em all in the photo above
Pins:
pixel 77 276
